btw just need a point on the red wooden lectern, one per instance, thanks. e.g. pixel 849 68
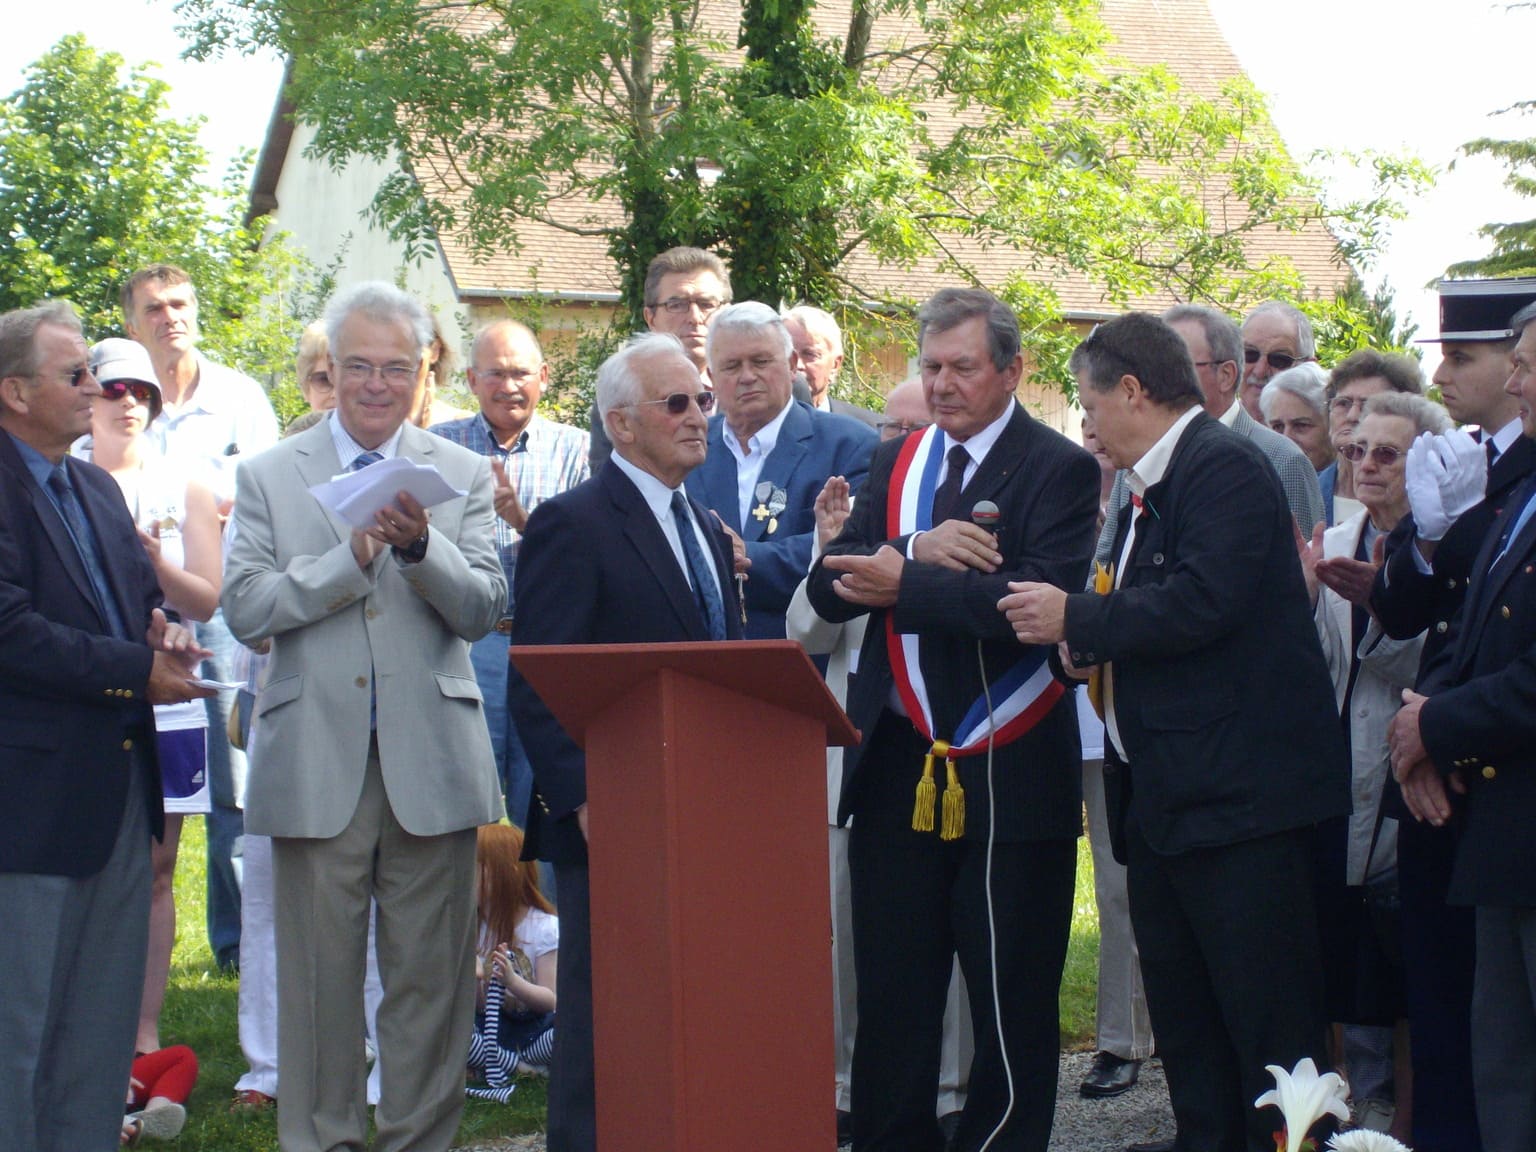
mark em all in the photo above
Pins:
pixel 711 929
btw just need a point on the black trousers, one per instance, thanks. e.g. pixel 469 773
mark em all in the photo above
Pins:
pixel 1439 959
pixel 917 902
pixel 1230 959
pixel 572 1117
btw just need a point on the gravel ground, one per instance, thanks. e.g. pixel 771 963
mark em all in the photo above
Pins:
pixel 1081 1125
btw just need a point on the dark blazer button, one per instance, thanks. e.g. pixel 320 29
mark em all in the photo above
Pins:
pixel 1157 557
pixel 1489 773
pixel 1442 626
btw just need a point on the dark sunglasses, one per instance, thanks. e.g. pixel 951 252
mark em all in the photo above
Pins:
pixel 1384 455
pixel 1279 361
pixel 141 392
pixel 677 403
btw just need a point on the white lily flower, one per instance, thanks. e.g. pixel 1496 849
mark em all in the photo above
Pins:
pixel 1304 1098
pixel 1364 1140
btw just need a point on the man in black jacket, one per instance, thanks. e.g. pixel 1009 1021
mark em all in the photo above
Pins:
pixel 1223 744
pixel 985 871
pixel 84 652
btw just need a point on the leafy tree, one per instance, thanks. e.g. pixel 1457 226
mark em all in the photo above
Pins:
pixel 650 123
pixel 1514 242
pixel 97 180
pixel 1355 319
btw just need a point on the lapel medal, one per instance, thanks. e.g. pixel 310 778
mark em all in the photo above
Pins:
pixel 777 502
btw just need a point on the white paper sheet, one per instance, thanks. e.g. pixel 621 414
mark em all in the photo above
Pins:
pixel 358 496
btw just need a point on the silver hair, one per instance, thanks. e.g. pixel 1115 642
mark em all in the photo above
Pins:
pixel 617 383
pixel 748 316
pixel 818 322
pixel 380 302
pixel 18 334
pixel 1306 381
pixel 1222 337
pixel 1421 411
pixel 1306 343
pixel 1522 318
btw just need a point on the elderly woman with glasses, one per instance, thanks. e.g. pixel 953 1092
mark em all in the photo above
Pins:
pixel 1358 908
pixel 1295 404
pixel 1353 381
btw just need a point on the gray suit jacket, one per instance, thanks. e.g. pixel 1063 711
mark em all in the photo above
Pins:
pixel 336 628
pixel 864 415
pixel 1297 477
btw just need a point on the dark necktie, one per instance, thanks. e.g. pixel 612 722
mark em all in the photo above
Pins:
pixel 701 573
pixel 364 460
pixel 947 496
pixel 85 545
pixel 1492 449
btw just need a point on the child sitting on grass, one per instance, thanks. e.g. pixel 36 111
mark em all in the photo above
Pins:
pixel 519 938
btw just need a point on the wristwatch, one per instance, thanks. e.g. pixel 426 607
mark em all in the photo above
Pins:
pixel 414 552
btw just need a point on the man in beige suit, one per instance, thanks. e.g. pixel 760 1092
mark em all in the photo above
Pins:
pixel 373 767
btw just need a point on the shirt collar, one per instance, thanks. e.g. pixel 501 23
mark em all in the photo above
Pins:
pixel 348 449
pixel 1229 417
pixel 1504 439
pixel 977 446
pixel 37 464
pixel 763 441
pixel 1153 464
pixel 526 439
pixel 657 496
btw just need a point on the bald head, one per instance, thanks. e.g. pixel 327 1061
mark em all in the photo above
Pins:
pixel 507 374
pixel 906 410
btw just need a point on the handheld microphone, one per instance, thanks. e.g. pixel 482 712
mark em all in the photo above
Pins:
pixel 986 515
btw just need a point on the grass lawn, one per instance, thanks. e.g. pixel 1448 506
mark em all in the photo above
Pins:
pixel 200 1010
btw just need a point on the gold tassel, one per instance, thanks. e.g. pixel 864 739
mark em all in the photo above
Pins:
pixel 927 790
pixel 954 804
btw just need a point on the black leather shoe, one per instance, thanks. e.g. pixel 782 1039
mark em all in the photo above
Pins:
pixel 1151 1146
pixel 844 1129
pixel 1109 1076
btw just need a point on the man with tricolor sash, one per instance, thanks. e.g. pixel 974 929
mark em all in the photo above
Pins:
pixel 965 795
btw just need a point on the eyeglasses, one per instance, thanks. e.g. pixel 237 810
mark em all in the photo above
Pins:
pixel 1347 403
pixel 890 429
pixel 1382 455
pixel 319 379
pixel 116 389
pixel 500 376
pixel 677 305
pixel 360 372
pixel 1210 363
pixel 74 376
pixel 677 403
pixel 1279 361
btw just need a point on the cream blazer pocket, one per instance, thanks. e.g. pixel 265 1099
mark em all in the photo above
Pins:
pixel 276 693
pixel 458 687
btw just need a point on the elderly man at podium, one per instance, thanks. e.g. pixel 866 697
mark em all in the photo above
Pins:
pixel 625 558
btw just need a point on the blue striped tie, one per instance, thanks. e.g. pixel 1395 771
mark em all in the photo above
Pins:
pixel 702 574
pixel 364 460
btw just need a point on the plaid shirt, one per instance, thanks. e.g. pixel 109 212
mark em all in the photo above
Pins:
pixel 546 460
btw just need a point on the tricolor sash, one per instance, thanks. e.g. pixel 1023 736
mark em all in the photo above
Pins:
pixel 1020 697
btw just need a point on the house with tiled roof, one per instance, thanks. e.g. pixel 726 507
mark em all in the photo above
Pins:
pixel 324 210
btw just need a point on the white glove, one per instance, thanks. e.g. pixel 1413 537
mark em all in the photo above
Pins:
pixel 1424 472
pixel 1465 482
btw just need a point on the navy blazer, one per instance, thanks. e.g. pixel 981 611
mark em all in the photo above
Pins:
pixel 1408 601
pixel 1222 694
pixel 1047 489
pixel 812 447
pixel 72 696
pixel 595 568
pixel 1481 720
